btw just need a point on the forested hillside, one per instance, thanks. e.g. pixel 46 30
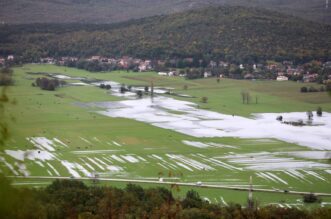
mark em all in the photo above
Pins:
pixel 110 11
pixel 231 33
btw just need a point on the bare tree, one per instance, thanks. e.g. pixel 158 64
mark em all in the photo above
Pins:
pixel 310 115
pixel 152 88
pixel 243 96
pixel 246 97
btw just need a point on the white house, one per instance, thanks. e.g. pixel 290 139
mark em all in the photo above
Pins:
pixel 282 78
pixel 163 73
pixel 145 65
pixel 142 67
pixel 207 74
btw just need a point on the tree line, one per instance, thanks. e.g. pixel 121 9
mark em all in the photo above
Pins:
pixel 326 88
pixel 73 199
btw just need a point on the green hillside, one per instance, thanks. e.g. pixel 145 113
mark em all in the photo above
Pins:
pixel 104 11
pixel 230 33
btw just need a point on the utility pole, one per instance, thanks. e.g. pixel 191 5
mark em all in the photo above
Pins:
pixel 250 193
pixel 152 90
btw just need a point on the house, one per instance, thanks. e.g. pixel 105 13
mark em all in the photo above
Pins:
pixel 64 59
pixel 282 78
pixel 95 58
pixel 112 61
pixel 310 77
pixel 272 66
pixel 2 61
pixel 161 62
pixel 104 60
pixel 137 61
pixel 327 64
pixel 212 64
pixel 145 65
pixel 293 71
pixel 68 58
pixel 259 66
pixel 287 63
pixel 47 60
pixel 290 71
pixel 207 74
pixel 249 76
pixel 10 58
pixel 223 64
pixel 125 62
pixel 188 60
pixel 142 67
pixel 163 73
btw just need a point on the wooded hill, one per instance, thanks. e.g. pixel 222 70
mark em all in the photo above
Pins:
pixel 110 11
pixel 230 33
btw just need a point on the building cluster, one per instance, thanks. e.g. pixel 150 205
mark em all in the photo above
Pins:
pixel 280 71
pixel 125 62
pixel 9 58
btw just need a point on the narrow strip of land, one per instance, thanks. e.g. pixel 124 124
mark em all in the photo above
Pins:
pixel 200 185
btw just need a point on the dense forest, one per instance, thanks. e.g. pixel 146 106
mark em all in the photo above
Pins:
pixel 234 34
pixel 110 11
pixel 73 199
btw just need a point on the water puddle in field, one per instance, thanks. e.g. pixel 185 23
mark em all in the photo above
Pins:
pixel 192 121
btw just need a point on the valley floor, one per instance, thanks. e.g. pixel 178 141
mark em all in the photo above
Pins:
pixel 80 130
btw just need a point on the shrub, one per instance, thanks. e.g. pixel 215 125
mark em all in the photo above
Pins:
pixel 6 77
pixel 312 89
pixel 310 198
pixel 139 93
pixel 204 99
pixel 279 118
pixel 319 111
pixel 304 89
pixel 48 84
pixel 123 89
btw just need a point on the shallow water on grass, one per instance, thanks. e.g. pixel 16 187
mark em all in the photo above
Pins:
pixel 203 123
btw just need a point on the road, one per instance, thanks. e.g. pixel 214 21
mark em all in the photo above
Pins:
pixel 202 185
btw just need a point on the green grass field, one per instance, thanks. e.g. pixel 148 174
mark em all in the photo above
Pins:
pixel 143 148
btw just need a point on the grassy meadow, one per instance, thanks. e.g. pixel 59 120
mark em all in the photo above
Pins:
pixel 140 149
